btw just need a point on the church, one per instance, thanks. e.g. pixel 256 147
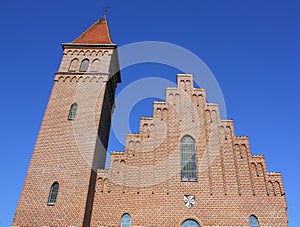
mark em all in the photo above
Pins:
pixel 185 168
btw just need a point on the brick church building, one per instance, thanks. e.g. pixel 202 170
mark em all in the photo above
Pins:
pixel 186 167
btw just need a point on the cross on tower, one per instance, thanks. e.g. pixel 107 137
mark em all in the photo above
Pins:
pixel 106 8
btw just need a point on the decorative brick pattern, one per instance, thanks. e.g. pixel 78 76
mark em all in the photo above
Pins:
pixel 144 180
pixel 70 151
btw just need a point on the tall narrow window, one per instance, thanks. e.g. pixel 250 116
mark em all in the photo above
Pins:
pixel 84 65
pixel 72 112
pixel 188 159
pixel 53 194
pixel 190 223
pixel 125 220
pixel 253 221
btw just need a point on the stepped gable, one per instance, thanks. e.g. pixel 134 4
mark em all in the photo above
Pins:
pixel 148 173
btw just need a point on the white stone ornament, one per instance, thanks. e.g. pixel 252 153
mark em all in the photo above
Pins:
pixel 189 200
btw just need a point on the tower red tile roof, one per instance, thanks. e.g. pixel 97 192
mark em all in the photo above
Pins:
pixel 98 33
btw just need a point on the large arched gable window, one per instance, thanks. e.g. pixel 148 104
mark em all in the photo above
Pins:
pixel 125 220
pixel 72 111
pixel 190 223
pixel 84 65
pixel 253 221
pixel 53 194
pixel 188 159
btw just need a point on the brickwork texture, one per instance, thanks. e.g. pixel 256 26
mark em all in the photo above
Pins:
pixel 144 180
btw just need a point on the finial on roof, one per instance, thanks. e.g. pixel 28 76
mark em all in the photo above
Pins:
pixel 106 8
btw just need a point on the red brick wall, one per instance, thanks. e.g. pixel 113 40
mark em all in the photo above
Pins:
pixel 66 150
pixel 145 182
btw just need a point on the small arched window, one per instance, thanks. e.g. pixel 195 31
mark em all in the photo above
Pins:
pixel 74 65
pixel 72 111
pixel 190 223
pixel 188 159
pixel 125 220
pixel 53 194
pixel 95 65
pixel 84 65
pixel 253 221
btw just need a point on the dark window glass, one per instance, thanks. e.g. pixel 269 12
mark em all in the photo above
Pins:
pixel 125 220
pixel 53 194
pixel 84 65
pixel 190 223
pixel 188 159
pixel 253 221
pixel 72 112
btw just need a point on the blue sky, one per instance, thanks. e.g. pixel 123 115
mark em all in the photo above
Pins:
pixel 252 47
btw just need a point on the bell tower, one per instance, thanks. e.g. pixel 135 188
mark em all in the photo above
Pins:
pixel 73 137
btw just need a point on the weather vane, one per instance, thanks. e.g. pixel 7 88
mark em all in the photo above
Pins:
pixel 106 8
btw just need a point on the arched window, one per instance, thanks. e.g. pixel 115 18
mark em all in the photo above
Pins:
pixel 53 194
pixel 84 65
pixel 253 221
pixel 95 65
pixel 72 111
pixel 74 65
pixel 125 220
pixel 188 159
pixel 190 223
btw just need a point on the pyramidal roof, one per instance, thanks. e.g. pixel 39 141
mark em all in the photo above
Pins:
pixel 98 33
